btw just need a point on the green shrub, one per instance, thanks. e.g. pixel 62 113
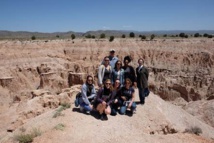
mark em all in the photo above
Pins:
pixel 111 38
pixel 152 37
pixel 194 130
pixel 73 36
pixel 132 35
pixel 33 38
pixel 102 35
pixel 143 37
pixel 123 36
pixel 63 106
pixel 60 126
pixel 28 138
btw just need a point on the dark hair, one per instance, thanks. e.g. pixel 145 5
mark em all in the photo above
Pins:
pixel 115 66
pixel 128 58
pixel 89 76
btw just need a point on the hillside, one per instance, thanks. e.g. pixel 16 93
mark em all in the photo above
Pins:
pixel 36 77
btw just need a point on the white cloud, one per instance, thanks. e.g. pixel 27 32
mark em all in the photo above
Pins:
pixel 127 26
pixel 105 27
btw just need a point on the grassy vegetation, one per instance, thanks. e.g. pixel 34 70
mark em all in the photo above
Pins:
pixel 60 126
pixel 63 106
pixel 27 137
pixel 194 130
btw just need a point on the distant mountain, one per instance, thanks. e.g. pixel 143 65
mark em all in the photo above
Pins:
pixel 28 35
pixel 116 33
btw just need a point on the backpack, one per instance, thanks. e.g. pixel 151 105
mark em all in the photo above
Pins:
pixel 77 100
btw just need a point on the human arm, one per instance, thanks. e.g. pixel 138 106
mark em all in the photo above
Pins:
pixel 84 94
pixel 132 99
pixel 100 75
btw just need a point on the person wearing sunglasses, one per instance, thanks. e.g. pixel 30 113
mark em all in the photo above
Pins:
pixel 88 94
pixel 104 72
pixel 126 98
pixel 118 73
pixel 142 80
pixel 104 99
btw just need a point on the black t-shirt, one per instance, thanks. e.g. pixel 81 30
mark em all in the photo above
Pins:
pixel 127 92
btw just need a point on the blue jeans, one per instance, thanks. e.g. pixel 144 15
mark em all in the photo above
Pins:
pixel 124 107
pixel 86 107
pixel 141 95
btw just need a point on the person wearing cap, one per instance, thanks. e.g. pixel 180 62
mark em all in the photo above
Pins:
pixel 142 80
pixel 113 59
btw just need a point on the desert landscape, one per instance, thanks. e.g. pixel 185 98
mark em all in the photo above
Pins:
pixel 40 78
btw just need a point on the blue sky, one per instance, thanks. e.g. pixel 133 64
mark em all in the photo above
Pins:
pixel 86 15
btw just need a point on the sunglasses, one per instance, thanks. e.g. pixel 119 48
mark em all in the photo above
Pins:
pixel 127 83
pixel 90 80
pixel 108 83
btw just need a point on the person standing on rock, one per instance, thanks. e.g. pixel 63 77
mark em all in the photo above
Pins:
pixel 118 73
pixel 129 71
pixel 104 72
pixel 113 59
pixel 126 97
pixel 88 94
pixel 104 99
pixel 142 80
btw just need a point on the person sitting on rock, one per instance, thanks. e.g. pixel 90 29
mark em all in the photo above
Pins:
pixel 104 72
pixel 88 94
pixel 118 73
pixel 104 99
pixel 115 97
pixel 126 97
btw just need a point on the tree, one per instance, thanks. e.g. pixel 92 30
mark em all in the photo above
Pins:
pixel 111 38
pixel 102 35
pixel 205 35
pixel 88 36
pixel 123 36
pixel 182 35
pixel 57 36
pixel 186 36
pixel 152 37
pixel 73 36
pixel 165 35
pixel 93 37
pixel 196 35
pixel 210 36
pixel 33 38
pixel 140 36
pixel 143 37
pixel 132 35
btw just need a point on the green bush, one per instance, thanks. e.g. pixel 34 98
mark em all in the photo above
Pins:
pixel 33 38
pixel 123 36
pixel 210 36
pixel 132 35
pixel 111 38
pixel 196 35
pixel 143 37
pixel 60 126
pixel 73 36
pixel 152 37
pixel 57 36
pixel 102 35
pixel 194 130
pixel 28 138
pixel 63 106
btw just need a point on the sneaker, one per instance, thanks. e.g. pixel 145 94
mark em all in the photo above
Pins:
pixel 105 117
pixel 81 109
pixel 88 112
pixel 134 112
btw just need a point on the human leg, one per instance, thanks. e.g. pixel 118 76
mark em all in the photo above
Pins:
pixel 141 95
pixel 123 109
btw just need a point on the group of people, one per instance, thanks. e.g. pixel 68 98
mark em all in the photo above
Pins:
pixel 116 87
